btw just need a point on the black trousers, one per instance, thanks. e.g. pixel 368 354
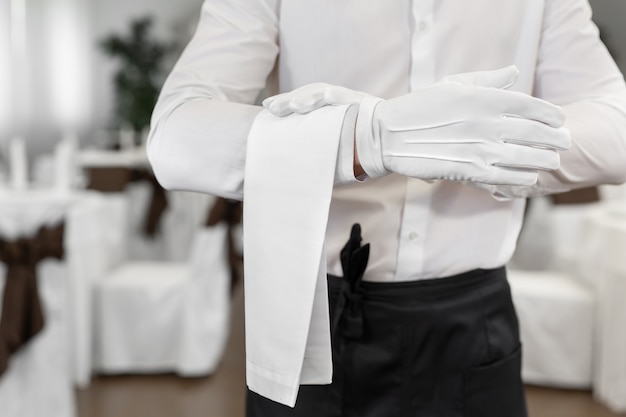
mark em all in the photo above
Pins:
pixel 446 347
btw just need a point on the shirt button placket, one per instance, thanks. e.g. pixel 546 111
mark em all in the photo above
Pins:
pixel 422 45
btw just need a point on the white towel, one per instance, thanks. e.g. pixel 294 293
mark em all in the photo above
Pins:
pixel 290 165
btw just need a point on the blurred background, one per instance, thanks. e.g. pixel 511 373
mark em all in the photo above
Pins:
pixel 56 72
pixel 136 322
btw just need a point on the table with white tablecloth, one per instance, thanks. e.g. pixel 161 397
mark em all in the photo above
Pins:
pixel 42 374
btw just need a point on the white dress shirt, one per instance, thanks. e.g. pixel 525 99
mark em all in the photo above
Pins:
pixel 417 229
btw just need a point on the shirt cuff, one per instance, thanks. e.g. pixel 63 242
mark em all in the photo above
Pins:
pixel 344 170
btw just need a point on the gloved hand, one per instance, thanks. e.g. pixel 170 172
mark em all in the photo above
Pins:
pixel 464 128
pixel 310 97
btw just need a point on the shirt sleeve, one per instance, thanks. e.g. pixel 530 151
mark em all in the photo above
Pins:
pixel 575 71
pixel 205 110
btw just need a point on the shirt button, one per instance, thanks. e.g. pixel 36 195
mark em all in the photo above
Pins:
pixel 422 25
pixel 412 236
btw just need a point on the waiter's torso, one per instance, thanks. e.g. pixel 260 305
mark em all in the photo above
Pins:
pixel 417 229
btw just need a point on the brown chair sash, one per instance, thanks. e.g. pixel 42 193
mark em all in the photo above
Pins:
pixel 115 179
pixel 579 196
pixel 230 212
pixel 22 316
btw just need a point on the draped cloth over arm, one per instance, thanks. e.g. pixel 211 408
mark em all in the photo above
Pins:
pixel 290 165
pixel 22 316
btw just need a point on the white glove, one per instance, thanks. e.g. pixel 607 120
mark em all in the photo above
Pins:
pixel 464 128
pixel 310 97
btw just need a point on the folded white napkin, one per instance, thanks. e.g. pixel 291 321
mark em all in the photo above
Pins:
pixel 290 165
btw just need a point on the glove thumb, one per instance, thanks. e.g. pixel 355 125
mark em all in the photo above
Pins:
pixel 502 78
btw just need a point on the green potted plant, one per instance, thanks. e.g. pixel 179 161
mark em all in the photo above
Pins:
pixel 139 76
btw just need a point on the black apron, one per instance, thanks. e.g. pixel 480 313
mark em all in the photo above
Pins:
pixel 445 347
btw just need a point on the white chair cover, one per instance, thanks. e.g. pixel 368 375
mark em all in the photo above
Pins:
pixel 603 262
pixel 586 245
pixel 556 316
pixel 38 380
pixel 155 316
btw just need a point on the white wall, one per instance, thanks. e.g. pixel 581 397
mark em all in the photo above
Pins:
pixel 5 71
pixel 60 80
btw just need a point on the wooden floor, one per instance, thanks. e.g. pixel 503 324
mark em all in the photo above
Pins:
pixel 222 395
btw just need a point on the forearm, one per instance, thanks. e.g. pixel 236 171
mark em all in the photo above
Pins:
pixel 201 146
pixel 199 131
pixel 598 151
pixel 597 155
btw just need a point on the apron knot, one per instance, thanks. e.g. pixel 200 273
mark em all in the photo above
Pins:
pixel 348 318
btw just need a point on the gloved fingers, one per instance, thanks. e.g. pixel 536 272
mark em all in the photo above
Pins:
pixel 508 176
pixel 284 106
pixel 306 104
pixel 477 101
pixel 475 152
pixel 305 90
pixel 311 97
pixel 458 168
pixel 531 133
pixel 330 95
pixel 512 130
pixel 287 104
pixel 502 78
pixel 269 100
pixel 308 96
pixel 514 104
pixel 527 157
pixel 337 95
